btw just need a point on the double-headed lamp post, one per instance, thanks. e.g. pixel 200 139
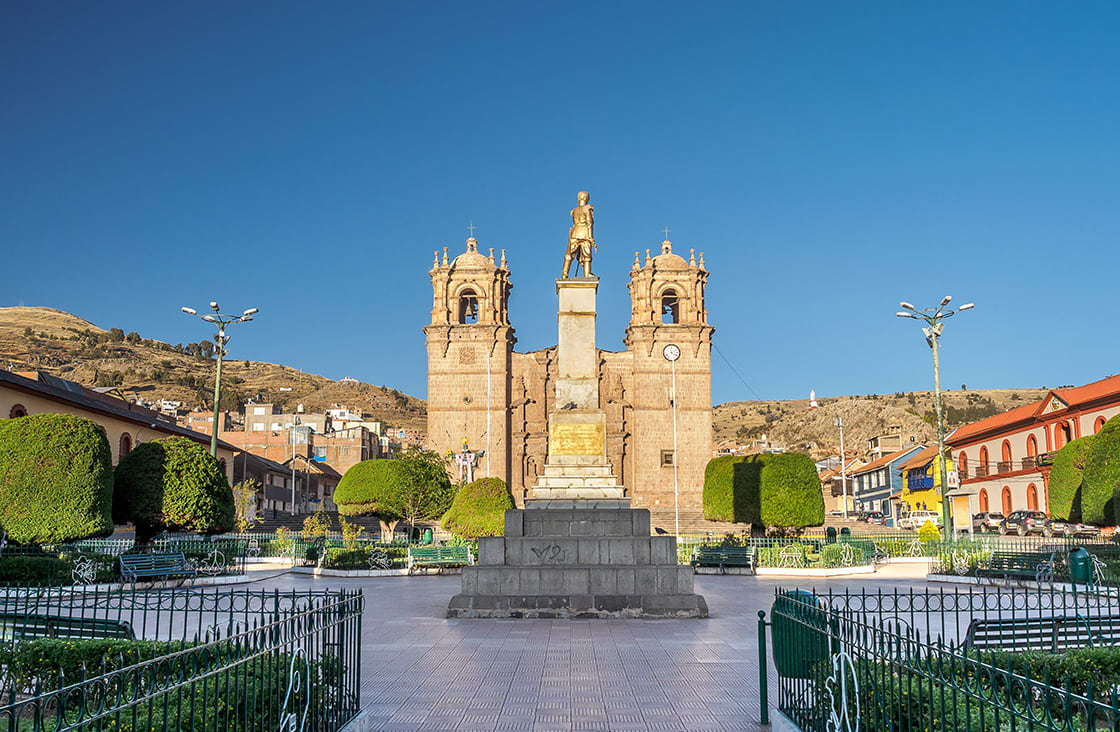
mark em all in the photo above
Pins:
pixel 221 339
pixel 934 318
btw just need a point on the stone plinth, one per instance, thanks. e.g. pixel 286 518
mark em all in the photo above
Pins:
pixel 581 562
pixel 577 383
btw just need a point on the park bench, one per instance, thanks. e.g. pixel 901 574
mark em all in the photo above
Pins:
pixel 438 556
pixel 1038 566
pixel 723 557
pixel 152 566
pixel 1054 635
pixel 15 626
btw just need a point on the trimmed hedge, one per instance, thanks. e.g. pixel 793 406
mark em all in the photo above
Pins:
pixel 479 509
pixel 33 571
pixel 1101 479
pixel 56 479
pixel 1066 477
pixel 767 490
pixel 172 483
pixel 370 488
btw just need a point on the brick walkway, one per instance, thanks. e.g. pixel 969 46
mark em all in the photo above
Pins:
pixel 424 672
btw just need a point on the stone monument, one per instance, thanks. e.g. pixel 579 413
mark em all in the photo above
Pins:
pixel 577 549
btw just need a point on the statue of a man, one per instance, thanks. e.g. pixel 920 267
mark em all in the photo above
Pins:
pixel 581 237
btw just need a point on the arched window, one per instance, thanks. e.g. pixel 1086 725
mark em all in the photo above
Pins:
pixel 1032 497
pixel 17 410
pixel 670 307
pixel 1005 451
pixel 962 464
pixel 468 307
pixel 1097 424
pixel 983 468
pixel 1062 434
pixel 126 445
pixel 1006 501
pixel 1032 446
pixel 984 500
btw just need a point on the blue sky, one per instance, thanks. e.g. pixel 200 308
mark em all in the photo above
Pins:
pixel 829 159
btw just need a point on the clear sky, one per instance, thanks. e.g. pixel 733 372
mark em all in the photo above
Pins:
pixel 830 159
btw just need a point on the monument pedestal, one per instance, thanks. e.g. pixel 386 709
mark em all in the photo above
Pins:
pixel 577 549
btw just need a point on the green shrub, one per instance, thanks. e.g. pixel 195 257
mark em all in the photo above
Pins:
pixel 172 483
pixel 928 532
pixel 370 488
pixel 56 479
pixel 34 570
pixel 479 509
pixel 1065 486
pixel 1101 479
pixel 766 490
pixel 832 555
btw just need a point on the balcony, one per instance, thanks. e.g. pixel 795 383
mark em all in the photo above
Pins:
pixel 1002 467
pixel 923 483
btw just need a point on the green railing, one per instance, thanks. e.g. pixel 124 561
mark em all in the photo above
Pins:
pixel 863 661
pixel 290 662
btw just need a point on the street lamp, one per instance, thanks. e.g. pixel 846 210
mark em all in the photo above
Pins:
pixel 934 317
pixel 221 339
pixel 839 422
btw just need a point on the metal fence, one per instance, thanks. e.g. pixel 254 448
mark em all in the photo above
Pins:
pixel 945 660
pixel 272 661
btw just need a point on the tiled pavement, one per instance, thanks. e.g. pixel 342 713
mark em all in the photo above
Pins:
pixel 422 671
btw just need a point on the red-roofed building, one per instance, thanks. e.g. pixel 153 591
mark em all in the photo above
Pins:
pixel 1003 460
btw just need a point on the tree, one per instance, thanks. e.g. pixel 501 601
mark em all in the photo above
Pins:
pixel 172 483
pixel 1101 480
pixel 426 492
pixel 479 509
pixel 368 489
pixel 764 490
pixel 1065 488
pixel 56 479
pixel 116 335
pixel 133 338
pixel 245 504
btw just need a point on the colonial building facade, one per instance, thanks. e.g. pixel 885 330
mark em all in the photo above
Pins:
pixel 482 391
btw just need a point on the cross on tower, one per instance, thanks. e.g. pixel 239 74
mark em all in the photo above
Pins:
pixel 470 228
pixel 667 230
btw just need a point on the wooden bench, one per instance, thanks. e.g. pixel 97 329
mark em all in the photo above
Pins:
pixel 1038 566
pixel 152 566
pixel 27 627
pixel 438 556
pixel 1054 635
pixel 723 557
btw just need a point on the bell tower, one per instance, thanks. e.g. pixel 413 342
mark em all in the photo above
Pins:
pixel 470 342
pixel 668 309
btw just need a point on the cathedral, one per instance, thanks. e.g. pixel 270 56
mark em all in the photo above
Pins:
pixel 485 395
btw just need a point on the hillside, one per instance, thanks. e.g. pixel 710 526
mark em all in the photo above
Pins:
pixel 59 343
pixel 794 425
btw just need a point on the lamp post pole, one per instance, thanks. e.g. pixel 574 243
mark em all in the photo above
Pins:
pixel 221 339
pixel 671 354
pixel 843 474
pixel 934 319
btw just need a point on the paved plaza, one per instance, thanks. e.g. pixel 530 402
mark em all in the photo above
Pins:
pixel 423 671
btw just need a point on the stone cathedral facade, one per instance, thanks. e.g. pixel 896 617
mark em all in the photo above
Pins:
pixel 482 391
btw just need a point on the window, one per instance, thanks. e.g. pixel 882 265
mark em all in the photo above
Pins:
pixel 468 307
pixel 666 458
pixel 670 307
pixel 1032 446
pixel 1032 497
pixel 1005 451
pixel 17 411
pixel 962 463
pixel 319 452
pixel 222 462
pixel 984 500
pixel 258 410
pixel 258 427
pixel 126 445
pixel 1097 424
pixel 984 459
pixel 1006 501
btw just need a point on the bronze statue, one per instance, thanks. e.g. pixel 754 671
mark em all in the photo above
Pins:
pixel 581 237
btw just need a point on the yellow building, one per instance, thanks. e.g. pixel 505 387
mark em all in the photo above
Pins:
pixel 921 490
pixel 125 425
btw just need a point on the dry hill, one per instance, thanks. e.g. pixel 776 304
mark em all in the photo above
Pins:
pixel 65 345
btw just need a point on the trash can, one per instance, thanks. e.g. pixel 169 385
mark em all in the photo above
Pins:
pixel 845 531
pixel 1081 566
pixel 427 536
pixel 800 633
pixel 830 534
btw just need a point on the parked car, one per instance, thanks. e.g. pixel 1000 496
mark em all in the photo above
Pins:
pixel 986 522
pixel 1056 527
pixel 875 517
pixel 916 519
pixel 1024 522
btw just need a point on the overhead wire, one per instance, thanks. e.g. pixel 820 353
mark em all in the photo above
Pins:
pixel 736 372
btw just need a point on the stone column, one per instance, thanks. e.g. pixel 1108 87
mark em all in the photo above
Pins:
pixel 578 384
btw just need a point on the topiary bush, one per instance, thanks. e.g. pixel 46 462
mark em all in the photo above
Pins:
pixel 56 479
pixel 34 570
pixel 479 509
pixel 1066 476
pixel 174 484
pixel 371 488
pixel 928 532
pixel 1101 479
pixel 765 490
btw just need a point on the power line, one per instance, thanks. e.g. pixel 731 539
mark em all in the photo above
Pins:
pixel 736 372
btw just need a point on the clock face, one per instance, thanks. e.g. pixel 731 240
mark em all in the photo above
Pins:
pixel 671 352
